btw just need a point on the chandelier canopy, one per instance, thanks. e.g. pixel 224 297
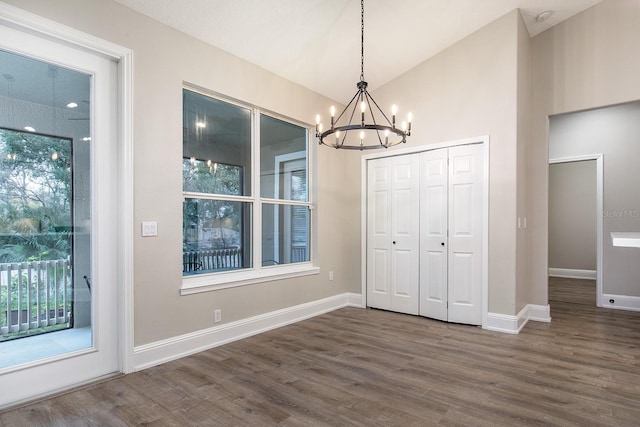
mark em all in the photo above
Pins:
pixel 374 129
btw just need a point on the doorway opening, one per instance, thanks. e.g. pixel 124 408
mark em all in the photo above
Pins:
pixel 575 229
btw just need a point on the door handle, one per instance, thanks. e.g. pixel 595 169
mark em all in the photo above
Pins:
pixel 442 243
pixel 394 242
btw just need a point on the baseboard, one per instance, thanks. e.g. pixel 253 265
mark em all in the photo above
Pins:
pixel 148 355
pixel 539 313
pixel 621 302
pixel 509 324
pixel 569 273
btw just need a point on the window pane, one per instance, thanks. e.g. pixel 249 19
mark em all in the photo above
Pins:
pixel 216 142
pixel 283 154
pixel 216 236
pixel 285 234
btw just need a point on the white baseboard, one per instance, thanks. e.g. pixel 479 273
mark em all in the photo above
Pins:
pixel 539 313
pixel 148 355
pixel 621 302
pixel 509 324
pixel 569 273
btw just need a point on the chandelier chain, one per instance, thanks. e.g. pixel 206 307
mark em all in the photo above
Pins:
pixel 361 40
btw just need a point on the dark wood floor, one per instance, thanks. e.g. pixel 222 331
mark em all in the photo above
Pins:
pixel 375 368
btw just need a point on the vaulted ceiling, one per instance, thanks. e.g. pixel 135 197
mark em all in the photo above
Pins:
pixel 316 43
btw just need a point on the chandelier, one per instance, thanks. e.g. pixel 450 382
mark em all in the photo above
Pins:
pixel 378 132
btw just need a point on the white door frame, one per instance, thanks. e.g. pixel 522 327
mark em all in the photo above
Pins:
pixel 484 140
pixel 599 213
pixel 58 33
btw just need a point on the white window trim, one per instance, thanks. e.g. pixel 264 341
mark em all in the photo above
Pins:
pixel 198 283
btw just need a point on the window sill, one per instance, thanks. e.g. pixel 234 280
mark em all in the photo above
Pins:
pixel 231 279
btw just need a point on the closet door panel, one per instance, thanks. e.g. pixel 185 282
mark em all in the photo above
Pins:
pixel 405 241
pixel 379 177
pixel 465 234
pixel 433 233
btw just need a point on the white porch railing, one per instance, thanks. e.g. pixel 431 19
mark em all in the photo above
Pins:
pixel 34 295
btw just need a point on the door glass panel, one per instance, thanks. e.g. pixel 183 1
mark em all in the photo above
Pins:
pixel 45 210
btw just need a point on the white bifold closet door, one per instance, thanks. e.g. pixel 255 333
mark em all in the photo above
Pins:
pixel 451 182
pixel 393 237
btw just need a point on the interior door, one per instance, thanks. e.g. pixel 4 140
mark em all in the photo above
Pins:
pixel 434 246
pixel 93 229
pixel 393 234
pixel 465 234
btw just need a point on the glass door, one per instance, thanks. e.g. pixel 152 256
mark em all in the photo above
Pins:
pixel 58 293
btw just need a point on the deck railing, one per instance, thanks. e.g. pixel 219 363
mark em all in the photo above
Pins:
pixel 212 259
pixel 34 295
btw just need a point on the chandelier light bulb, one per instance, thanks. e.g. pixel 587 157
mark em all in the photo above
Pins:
pixel 317 119
pixel 333 110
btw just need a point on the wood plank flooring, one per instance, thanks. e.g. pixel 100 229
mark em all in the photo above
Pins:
pixel 356 367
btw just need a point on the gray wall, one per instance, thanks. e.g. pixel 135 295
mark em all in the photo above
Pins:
pixel 572 215
pixel 615 132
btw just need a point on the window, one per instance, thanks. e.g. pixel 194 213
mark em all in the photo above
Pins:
pixel 247 212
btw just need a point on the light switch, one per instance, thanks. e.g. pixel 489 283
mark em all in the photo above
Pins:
pixel 149 228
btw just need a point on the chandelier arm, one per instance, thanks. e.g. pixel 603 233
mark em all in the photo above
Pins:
pixel 353 110
pixel 347 107
pixel 382 111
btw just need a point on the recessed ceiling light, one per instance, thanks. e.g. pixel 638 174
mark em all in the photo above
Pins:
pixel 72 105
pixel 544 15
pixel 29 128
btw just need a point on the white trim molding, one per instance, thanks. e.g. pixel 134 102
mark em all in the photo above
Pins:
pixel 570 273
pixel 621 302
pixel 509 324
pixel 152 354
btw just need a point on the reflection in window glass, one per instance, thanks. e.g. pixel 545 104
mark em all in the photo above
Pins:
pixel 201 176
pixel 283 148
pixel 215 133
pixel 216 235
pixel 285 234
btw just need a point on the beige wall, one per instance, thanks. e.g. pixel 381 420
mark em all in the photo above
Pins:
pixel 614 132
pixel 523 143
pixel 572 215
pixel 163 59
pixel 465 91
pixel 590 60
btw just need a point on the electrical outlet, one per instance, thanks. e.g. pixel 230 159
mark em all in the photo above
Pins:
pixel 331 275
pixel 217 315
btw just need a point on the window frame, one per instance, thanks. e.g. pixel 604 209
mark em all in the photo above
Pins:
pixel 257 273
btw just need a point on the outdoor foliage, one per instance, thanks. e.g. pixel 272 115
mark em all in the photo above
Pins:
pixel 35 197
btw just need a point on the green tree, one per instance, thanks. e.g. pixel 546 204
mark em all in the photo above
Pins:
pixel 35 196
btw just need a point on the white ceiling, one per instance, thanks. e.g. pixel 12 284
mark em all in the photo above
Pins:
pixel 316 43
